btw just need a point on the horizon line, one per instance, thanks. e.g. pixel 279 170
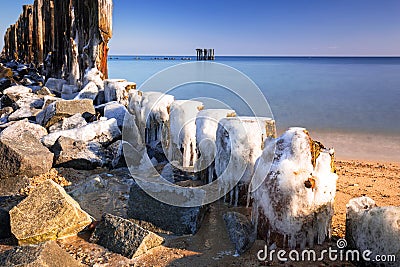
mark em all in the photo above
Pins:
pixel 177 55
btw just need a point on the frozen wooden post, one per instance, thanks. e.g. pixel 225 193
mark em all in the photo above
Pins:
pixel 182 145
pixel 206 129
pixel 66 37
pixel 239 143
pixel 293 205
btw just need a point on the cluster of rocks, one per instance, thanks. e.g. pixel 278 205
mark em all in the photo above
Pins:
pixel 14 72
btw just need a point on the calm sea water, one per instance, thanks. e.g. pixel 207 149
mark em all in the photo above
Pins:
pixel 328 94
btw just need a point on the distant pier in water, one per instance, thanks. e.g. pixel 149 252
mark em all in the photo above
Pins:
pixel 205 54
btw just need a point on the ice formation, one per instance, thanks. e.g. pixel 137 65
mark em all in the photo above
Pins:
pixel 373 228
pixel 293 206
pixel 182 146
pixel 239 143
pixel 152 115
pixel 206 130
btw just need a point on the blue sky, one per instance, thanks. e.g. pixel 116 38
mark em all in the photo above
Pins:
pixel 260 27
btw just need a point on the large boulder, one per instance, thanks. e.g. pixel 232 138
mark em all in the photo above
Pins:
pixel 117 111
pixel 373 228
pixel 90 91
pixel 55 85
pixel 124 237
pixel 103 132
pixel 48 213
pixel 241 231
pixel 58 110
pixel 22 153
pixel 46 254
pixel 160 217
pixel 69 153
pixel 103 193
pixel 73 122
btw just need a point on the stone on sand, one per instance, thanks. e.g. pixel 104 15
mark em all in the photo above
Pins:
pixel 48 213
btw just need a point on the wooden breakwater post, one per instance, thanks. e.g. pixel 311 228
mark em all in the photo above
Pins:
pixel 205 54
pixel 66 37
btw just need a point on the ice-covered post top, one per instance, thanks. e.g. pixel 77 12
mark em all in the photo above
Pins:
pixel 206 129
pixel 293 206
pixel 183 131
pixel 152 114
pixel 239 143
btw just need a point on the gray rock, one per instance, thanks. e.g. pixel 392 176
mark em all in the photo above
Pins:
pixel 46 254
pixel 124 237
pixel 19 127
pixel 58 110
pixel 117 111
pixel 69 96
pixel 79 155
pixel 160 217
pixel 21 152
pixel 103 132
pixel 55 85
pixel 241 231
pixel 90 91
pixel 116 153
pixel 73 122
pixel 69 89
pixel 104 193
pixel 373 228
pixel 24 113
pixel 48 213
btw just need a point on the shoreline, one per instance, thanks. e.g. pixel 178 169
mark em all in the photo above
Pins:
pixel 358 146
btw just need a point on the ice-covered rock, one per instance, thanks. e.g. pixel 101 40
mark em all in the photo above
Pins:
pixel 79 155
pixel 90 91
pixel 295 187
pixel 182 120
pixel 76 121
pixel 124 237
pixel 118 90
pixel 24 113
pixel 69 89
pixel 103 131
pixel 58 110
pixel 55 85
pixel 19 127
pixel 43 91
pixel 45 254
pixel 116 154
pixel 239 143
pixel 117 111
pixel 95 76
pixel 373 228
pixel 241 231
pixel 17 90
pixel 152 114
pixel 206 130
pixel 48 213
